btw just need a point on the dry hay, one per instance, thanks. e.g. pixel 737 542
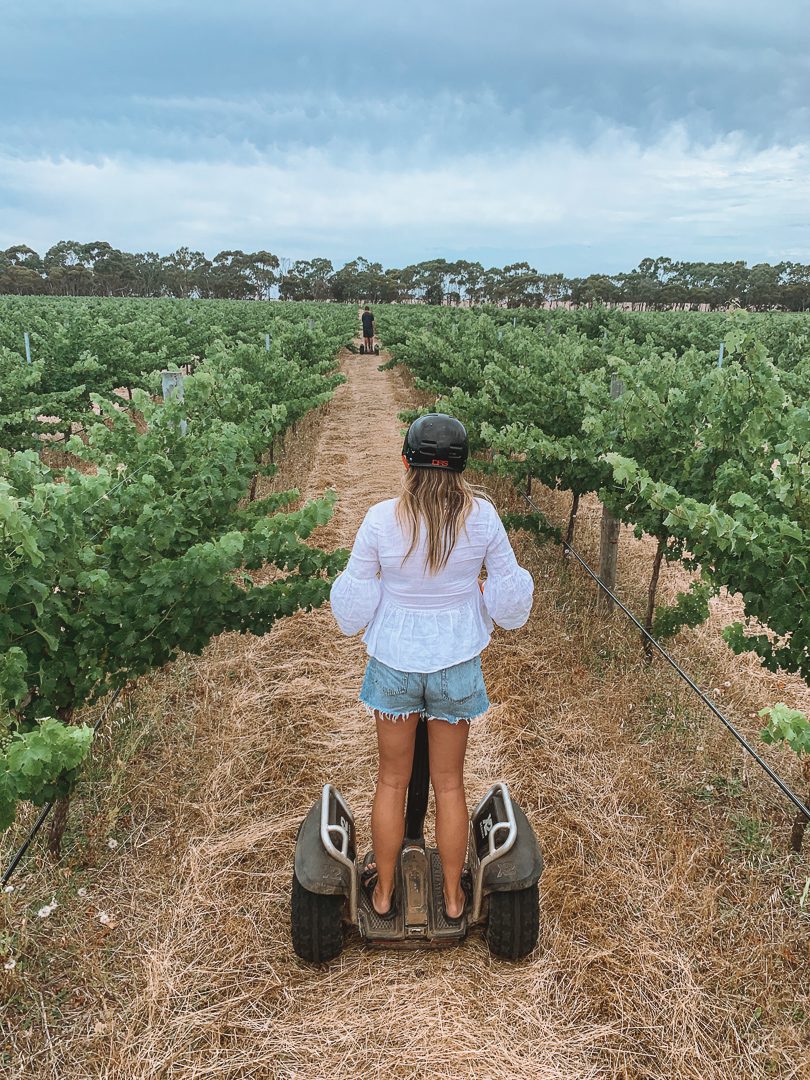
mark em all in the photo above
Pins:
pixel 671 944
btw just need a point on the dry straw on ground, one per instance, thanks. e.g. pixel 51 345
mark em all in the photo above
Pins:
pixel 672 942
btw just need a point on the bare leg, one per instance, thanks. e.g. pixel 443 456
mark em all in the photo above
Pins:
pixel 395 739
pixel 448 744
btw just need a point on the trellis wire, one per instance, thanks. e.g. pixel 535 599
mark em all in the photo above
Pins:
pixel 780 783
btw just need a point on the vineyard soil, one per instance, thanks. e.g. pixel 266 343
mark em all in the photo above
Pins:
pixel 672 943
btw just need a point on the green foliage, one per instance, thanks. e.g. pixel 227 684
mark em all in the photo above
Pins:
pixel 536 524
pixel 691 608
pixel 29 409
pixel 761 555
pixel 40 764
pixel 97 269
pixel 87 346
pixel 144 545
pixel 788 727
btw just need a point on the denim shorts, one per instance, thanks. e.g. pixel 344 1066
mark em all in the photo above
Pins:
pixel 453 694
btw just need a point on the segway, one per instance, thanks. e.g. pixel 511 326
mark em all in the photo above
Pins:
pixel 363 350
pixel 503 860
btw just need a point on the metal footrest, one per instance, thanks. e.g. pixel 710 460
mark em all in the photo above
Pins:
pixel 442 929
pixel 375 928
pixel 420 918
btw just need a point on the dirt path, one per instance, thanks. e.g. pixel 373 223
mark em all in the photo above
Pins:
pixel 666 951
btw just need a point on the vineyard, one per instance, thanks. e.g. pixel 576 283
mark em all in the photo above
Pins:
pixel 705 446
pixel 140 540
pixel 177 550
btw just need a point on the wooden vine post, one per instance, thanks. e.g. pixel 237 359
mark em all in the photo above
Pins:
pixel 609 532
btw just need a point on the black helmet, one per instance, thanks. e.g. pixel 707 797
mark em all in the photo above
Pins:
pixel 437 441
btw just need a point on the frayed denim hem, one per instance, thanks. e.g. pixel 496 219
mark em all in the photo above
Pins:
pixel 394 717
pixel 372 709
pixel 459 719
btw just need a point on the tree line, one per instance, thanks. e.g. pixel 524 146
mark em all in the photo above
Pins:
pixel 98 269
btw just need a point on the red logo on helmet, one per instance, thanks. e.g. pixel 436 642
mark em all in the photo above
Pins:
pixel 438 461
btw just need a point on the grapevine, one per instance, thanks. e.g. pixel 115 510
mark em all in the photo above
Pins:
pixel 143 544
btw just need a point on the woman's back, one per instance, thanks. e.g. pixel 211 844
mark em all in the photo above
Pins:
pixel 421 621
pixel 408 582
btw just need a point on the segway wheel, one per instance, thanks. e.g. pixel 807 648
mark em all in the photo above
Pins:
pixel 376 350
pixel 514 923
pixel 362 350
pixel 317 924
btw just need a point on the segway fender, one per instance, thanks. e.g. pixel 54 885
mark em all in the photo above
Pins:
pixel 520 867
pixel 315 868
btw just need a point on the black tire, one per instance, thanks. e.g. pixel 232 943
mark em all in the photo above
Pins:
pixel 514 923
pixel 376 350
pixel 362 350
pixel 317 924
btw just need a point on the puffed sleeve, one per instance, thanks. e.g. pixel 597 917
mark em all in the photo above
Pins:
pixel 356 592
pixel 508 588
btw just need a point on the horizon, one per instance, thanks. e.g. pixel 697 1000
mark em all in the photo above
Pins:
pixel 541 270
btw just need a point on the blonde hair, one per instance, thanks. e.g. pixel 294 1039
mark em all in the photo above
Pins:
pixel 442 500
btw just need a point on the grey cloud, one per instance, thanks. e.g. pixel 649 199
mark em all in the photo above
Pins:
pixel 543 68
pixel 601 208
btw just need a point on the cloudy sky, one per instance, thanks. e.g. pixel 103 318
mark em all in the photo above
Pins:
pixel 580 136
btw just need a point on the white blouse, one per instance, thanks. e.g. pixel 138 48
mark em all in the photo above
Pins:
pixel 425 622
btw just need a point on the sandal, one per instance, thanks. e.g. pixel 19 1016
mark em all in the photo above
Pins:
pixel 466 888
pixel 368 883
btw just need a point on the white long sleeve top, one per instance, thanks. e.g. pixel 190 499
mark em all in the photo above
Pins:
pixel 424 622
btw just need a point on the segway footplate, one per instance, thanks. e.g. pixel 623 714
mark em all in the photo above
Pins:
pixel 372 926
pixel 420 919
pixel 442 929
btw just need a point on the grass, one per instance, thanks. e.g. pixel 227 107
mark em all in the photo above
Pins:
pixel 751 839
pixel 668 712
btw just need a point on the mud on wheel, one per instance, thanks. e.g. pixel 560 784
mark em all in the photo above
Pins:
pixel 317 924
pixel 514 922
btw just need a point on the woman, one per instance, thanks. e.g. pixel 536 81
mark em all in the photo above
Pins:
pixel 412 580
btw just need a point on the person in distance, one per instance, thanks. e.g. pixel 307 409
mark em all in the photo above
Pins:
pixel 413 582
pixel 367 320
